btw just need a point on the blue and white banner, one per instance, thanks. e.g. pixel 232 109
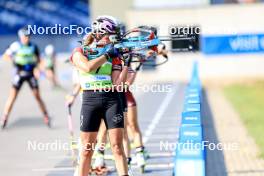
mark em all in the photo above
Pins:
pixel 233 44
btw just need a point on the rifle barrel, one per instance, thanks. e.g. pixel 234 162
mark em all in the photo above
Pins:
pixel 175 38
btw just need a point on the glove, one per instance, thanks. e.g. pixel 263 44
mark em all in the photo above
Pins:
pixel 69 100
pixel 128 60
pixel 112 52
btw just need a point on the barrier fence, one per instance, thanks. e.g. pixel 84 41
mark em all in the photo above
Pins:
pixel 190 153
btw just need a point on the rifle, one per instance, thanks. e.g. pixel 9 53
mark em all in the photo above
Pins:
pixel 135 43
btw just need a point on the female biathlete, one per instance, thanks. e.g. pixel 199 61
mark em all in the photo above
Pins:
pixel 25 57
pixel 131 119
pixel 98 79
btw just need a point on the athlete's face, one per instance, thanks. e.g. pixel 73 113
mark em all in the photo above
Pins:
pixel 24 39
pixel 103 41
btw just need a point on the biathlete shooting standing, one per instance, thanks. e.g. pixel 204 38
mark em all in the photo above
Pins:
pixel 25 56
pixel 98 78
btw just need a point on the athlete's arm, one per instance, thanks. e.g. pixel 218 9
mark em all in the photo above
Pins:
pixel 38 66
pixel 76 90
pixel 119 77
pixel 54 60
pixel 6 56
pixel 71 98
pixel 131 77
pixel 82 63
pixel 36 52
pixel 119 74
pixel 10 51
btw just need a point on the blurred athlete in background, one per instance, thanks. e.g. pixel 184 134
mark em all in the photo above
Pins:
pixel 26 59
pixel 132 115
pixel 48 64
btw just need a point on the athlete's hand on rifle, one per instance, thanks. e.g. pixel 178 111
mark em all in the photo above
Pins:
pixel 112 52
pixel 127 60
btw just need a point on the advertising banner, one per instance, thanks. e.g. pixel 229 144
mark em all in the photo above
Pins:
pixel 233 44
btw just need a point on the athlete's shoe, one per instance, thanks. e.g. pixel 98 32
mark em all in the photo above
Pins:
pixel 99 160
pixel 130 173
pixel 146 154
pixel 141 162
pixel 129 159
pixel 3 122
pixel 47 120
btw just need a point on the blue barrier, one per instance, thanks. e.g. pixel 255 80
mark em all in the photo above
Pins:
pixel 192 107
pixel 190 134
pixel 190 118
pixel 192 100
pixel 190 154
pixel 192 94
pixel 190 162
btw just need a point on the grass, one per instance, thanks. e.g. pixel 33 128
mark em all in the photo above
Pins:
pixel 248 100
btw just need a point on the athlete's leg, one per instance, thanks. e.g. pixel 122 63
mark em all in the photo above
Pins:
pixel 134 126
pixel 129 133
pixel 16 85
pixel 102 135
pixel 88 140
pixel 90 118
pixel 41 104
pixel 33 83
pixel 100 147
pixel 10 101
pixel 137 136
pixel 126 141
pixel 51 76
pixel 114 121
pixel 115 137
pixel 9 105
pixel 133 120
